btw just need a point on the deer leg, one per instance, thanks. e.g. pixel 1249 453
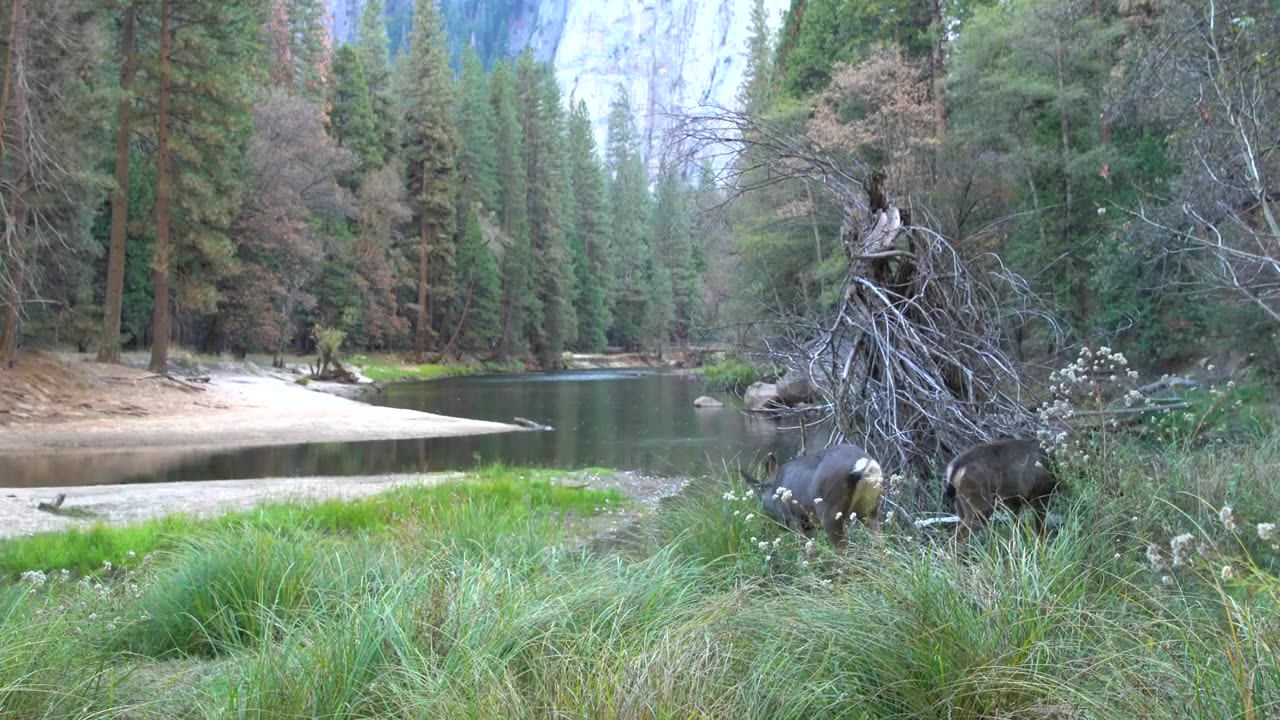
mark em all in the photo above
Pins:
pixel 973 510
pixel 835 529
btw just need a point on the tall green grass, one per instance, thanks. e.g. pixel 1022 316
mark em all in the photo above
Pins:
pixel 522 493
pixel 478 603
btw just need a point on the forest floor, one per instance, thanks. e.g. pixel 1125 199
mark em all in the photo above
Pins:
pixel 55 401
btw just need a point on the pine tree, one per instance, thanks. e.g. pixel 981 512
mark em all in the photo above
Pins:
pixel 547 187
pixel 520 307
pixel 756 92
pixel 374 50
pixel 204 72
pixel 479 316
pixel 109 344
pixel 593 249
pixel 309 48
pixel 351 117
pixel 629 201
pixel 430 155
pixel 477 153
pixel 673 225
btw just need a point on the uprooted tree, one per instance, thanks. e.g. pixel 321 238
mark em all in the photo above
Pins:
pixel 910 359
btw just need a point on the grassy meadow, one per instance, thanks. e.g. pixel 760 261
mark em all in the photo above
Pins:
pixel 480 599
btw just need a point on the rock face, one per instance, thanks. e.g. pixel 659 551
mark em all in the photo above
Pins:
pixel 760 396
pixel 707 402
pixel 669 54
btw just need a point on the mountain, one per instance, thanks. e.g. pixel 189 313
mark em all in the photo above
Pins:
pixel 669 54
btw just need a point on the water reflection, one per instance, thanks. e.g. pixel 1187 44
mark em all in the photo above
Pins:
pixel 639 420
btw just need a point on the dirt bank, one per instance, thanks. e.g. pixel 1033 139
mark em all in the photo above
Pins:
pixel 52 402
pixel 85 506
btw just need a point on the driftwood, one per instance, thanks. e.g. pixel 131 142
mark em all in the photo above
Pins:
pixel 188 383
pixel 335 372
pixel 912 361
pixel 54 506
pixel 530 424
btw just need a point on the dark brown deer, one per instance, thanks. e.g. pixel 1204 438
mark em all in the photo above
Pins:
pixel 832 486
pixel 1013 473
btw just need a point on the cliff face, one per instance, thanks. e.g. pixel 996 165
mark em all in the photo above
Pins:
pixel 669 54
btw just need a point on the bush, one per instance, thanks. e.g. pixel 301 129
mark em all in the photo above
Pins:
pixel 733 375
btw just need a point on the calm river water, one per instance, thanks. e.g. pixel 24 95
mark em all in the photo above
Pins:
pixel 626 419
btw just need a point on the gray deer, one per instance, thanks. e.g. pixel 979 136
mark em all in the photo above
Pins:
pixel 1015 473
pixel 833 485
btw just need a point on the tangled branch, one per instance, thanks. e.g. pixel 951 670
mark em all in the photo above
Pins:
pixel 912 360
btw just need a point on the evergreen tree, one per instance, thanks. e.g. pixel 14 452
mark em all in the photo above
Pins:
pixel 817 34
pixel 430 155
pixel 109 345
pixel 478 318
pixel 477 152
pixel 1029 95
pixel 204 74
pixel 373 49
pixel 756 92
pixel 673 225
pixel 593 260
pixel 520 307
pixel 542 117
pixel 660 307
pixel 309 48
pixel 351 118
pixel 629 202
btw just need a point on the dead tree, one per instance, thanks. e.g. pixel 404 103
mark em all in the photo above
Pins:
pixel 911 361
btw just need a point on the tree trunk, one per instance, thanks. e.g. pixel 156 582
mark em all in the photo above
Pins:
pixel 939 88
pixel 15 226
pixel 420 335
pixel 164 190
pixel 109 346
pixel 16 12
pixel 1105 132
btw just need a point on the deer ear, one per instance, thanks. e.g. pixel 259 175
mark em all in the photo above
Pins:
pixel 771 467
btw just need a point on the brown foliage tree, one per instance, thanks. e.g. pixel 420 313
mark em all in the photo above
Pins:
pixel 293 169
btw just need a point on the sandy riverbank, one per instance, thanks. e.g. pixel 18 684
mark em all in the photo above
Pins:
pixel 58 402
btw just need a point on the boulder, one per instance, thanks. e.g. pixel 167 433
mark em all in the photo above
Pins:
pixel 760 396
pixel 707 402
pixel 795 388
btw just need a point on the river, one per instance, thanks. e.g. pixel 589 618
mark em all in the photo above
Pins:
pixel 626 419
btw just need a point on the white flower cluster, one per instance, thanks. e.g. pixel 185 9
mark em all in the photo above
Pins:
pixel 1266 531
pixel 35 577
pixel 785 495
pixel 1227 517
pixel 1181 547
pixel 1154 557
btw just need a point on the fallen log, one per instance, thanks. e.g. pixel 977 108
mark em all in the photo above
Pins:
pixel 527 423
pixel 54 506
pixel 185 383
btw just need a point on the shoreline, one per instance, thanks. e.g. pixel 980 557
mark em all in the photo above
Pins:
pixel 121 409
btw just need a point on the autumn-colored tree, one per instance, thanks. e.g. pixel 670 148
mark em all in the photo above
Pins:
pixel 380 211
pixel 293 167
